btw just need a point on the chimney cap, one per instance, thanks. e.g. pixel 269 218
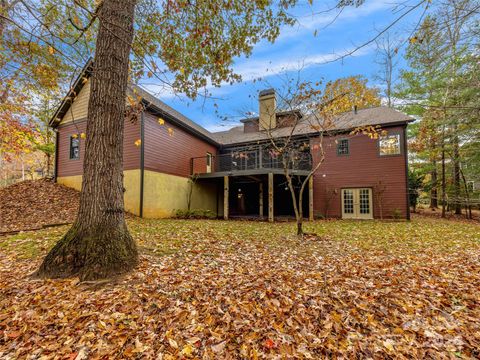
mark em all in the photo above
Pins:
pixel 266 92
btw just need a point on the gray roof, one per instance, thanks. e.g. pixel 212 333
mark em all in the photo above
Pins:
pixel 382 116
pixel 182 120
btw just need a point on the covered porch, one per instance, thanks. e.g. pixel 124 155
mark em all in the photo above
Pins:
pixel 260 195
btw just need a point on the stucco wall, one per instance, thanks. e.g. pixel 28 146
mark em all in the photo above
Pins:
pixel 165 193
pixel 131 182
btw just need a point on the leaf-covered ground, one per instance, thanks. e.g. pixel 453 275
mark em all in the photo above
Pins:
pixel 33 204
pixel 233 290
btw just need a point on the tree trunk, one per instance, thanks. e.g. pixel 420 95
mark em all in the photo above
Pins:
pixel 468 206
pixel 300 212
pixel 48 164
pixel 456 172
pixel 98 245
pixel 434 189
pixel 444 181
pixel 299 227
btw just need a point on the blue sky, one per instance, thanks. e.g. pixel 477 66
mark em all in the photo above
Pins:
pixel 298 47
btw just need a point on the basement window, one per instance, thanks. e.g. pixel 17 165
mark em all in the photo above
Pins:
pixel 74 147
pixel 342 147
pixel 389 145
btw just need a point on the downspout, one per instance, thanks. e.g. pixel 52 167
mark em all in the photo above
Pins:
pixel 142 160
pixel 405 151
pixel 55 171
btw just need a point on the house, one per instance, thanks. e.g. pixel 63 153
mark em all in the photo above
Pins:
pixel 170 161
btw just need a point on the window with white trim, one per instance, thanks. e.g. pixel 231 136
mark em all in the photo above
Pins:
pixel 389 145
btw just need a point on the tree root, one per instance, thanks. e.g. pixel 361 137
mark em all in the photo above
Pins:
pixel 90 255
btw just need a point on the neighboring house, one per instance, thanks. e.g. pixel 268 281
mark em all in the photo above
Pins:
pixel 235 171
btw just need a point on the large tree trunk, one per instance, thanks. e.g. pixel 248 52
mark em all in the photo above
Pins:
pixel 99 245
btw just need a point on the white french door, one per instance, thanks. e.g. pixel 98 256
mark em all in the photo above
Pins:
pixel 357 203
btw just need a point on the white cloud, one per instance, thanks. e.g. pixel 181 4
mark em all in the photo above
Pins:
pixel 252 69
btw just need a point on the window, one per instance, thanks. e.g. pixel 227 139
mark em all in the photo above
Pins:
pixel 389 145
pixel 364 195
pixel 74 147
pixel 342 147
pixel 348 201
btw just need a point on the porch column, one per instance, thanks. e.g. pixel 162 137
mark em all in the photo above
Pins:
pixel 270 197
pixel 260 199
pixel 310 198
pixel 225 197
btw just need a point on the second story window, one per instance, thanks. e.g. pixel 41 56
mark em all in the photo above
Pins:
pixel 389 145
pixel 342 147
pixel 74 147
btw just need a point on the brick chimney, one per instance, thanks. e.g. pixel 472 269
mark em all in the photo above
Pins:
pixel 267 103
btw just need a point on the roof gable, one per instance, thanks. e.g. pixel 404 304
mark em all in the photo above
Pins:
pixel 77 96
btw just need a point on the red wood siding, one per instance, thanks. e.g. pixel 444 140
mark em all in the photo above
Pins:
pixel 171 152
pixel 363 167
pixel 70 167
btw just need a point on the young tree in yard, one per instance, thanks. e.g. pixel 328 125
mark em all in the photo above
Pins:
pixel 314 109
pixel 379 190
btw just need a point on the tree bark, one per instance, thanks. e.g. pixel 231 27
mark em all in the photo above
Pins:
pixel 48 164
pixel 444 181
pixel 98 245
pixel 456 171
pixel 434 189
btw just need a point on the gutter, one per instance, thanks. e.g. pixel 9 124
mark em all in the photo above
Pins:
pixel 142 160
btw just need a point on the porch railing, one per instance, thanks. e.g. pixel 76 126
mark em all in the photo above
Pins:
pixel 249 160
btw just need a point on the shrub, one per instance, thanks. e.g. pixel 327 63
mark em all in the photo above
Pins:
pixel 397 214
pixel 195 214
